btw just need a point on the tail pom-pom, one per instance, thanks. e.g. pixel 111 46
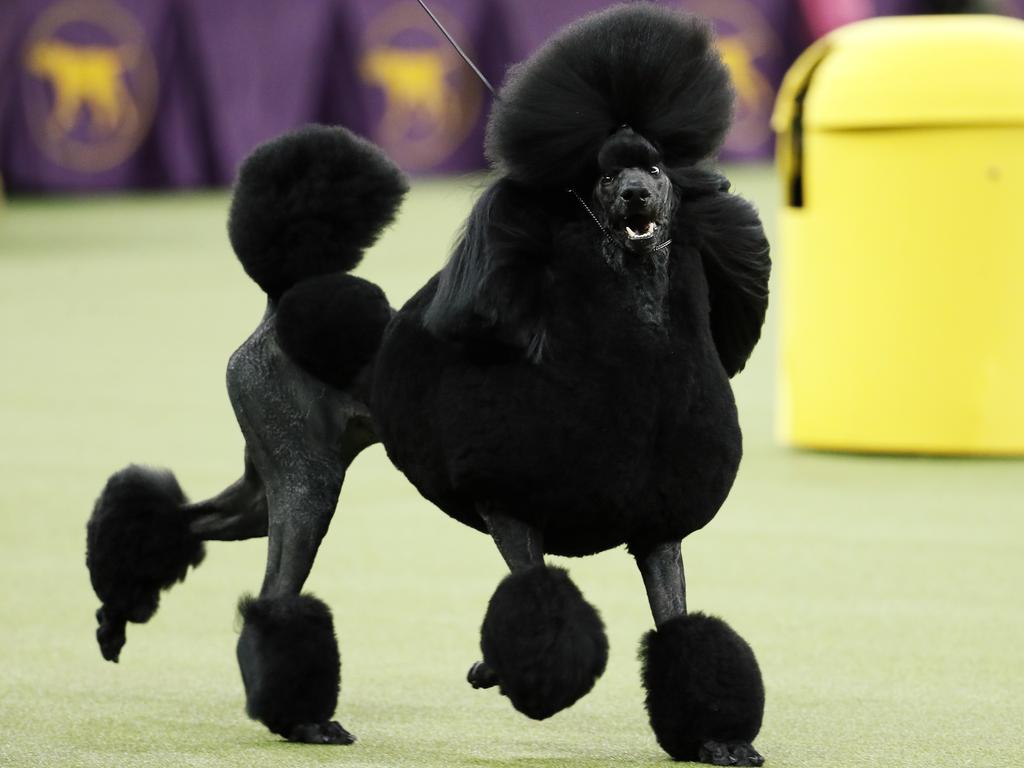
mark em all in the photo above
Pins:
pixel 310 202
pixel 138 542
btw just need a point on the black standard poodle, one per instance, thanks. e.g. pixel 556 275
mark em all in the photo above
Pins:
pixel 561 385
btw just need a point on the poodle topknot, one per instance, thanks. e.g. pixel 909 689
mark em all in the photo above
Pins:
pixel 651 68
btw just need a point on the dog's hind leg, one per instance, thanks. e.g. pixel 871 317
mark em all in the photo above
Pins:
pixel 542 642
pixel 236 513
pixel 705 697
pixel 138 543
pixel 143 536
pixel 301 435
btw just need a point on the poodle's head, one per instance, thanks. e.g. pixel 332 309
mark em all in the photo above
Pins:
pixel 633 198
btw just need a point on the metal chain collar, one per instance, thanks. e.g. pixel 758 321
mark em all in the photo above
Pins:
pixel 600 226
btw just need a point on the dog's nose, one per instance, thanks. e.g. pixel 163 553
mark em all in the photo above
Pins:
pixel 635 192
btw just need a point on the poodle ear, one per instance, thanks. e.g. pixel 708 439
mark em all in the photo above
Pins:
pixel 490 292
pixel 727 232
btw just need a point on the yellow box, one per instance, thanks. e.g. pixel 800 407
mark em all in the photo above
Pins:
pixel 901 154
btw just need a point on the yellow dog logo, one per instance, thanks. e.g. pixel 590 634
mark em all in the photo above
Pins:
pixel 414 81
pixel 431 101
pixel 89 104
pixel 752 89
pixel 89 77
pixel 745 38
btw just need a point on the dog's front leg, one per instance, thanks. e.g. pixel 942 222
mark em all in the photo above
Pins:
pixel 705 697
pixel 662 570
pixel 542 642
pixel 521 547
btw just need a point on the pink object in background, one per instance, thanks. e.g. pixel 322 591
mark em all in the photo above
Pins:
pixel 822 16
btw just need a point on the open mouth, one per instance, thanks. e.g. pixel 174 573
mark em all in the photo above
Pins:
pixel 640 228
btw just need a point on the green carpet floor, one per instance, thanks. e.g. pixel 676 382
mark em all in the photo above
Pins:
pixel 882 595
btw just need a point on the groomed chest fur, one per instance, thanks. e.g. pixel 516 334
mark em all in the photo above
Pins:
pixel 629 376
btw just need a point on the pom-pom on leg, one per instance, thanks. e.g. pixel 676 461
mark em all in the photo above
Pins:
pixel 705 697
pixel 137 542
pixel 290 667
pixel 543 641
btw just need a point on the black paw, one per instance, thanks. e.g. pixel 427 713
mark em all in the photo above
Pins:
pixel 729 753
pixel 110 634
pixel 482 676
pixel 321 733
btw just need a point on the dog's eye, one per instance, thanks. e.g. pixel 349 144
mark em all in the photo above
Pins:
pixel 607 179
pixel 655 170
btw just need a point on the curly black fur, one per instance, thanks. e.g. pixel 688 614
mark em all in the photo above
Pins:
pixel 569 372
pixel 568 369
pixel 137 543
pixel 309 203
pixel 289 659
pixel 727 231
pixel 652 68
pixel 491 290
pixel 627 149
pixel 544 641
pixel 703 683
pixel 331 325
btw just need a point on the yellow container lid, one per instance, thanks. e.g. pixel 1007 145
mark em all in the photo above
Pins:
pixel 903 71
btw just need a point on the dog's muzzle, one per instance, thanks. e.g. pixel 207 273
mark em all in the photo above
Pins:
pixel 640 227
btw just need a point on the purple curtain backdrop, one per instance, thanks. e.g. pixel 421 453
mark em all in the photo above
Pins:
pixel 260 73
pixel 424 106
pixel 108 94
pixel 93 99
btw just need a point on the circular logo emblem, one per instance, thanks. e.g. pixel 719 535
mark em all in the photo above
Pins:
pixel 430 99
pixel 747 44
pixel 90 84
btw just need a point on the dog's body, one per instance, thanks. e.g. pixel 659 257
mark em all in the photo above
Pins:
pixel 622 431
pixel 561 384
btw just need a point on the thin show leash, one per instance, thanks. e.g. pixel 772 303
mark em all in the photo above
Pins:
pixel 484 80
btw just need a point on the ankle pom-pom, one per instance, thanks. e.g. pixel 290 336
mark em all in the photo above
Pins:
pixel 543 640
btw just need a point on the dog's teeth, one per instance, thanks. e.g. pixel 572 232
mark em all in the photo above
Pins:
pixel 647 233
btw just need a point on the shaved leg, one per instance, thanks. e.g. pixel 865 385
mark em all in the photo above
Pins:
pixel 521 546
pixel 702 679
pixel 236 513
pixel 301 435
pixel 543 644
pixel 662 570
